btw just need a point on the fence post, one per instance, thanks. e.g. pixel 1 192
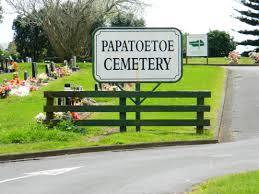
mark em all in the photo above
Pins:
pixel 123 114
pixel 137 104
pixel 200 115
pixel 49 115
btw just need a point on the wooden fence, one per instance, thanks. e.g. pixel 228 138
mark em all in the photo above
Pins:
pixel 199 108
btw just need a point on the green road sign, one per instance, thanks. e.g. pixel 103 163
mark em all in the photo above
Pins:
pixel 197 43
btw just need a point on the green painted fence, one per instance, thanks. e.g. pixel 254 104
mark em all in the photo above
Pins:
pixel 200 108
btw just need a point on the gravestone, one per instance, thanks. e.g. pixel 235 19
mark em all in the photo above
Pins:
pixel 65 63
pixel 25 75
pixel 47 70
pixel 34 69
pixel 6 65
pixel 28 59
pixel 2 65
pixel 74 61
pixel 52 66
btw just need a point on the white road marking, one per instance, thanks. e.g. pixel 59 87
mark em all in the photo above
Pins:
pixel 53 172
pixel 221 156
pixel 17 178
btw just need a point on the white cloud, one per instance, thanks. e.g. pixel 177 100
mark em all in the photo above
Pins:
pixel 6 32
pixel 196 17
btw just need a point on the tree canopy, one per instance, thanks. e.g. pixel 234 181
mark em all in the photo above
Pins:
pixel 220 43
pixel 250 16
pixel 69 24
pixel 125 19
pixel 1 12
pixel 31 40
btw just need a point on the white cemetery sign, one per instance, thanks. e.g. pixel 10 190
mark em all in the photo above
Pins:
pixel 137 54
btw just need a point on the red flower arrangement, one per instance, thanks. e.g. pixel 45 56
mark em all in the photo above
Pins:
pixel 75 116
pixel 4 91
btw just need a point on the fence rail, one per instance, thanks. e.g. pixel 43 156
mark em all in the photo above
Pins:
pixel 200 108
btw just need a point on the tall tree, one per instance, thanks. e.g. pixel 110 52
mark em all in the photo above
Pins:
pixel 220 43
pixel 250 16
pixel 31 40
pixel 67 23
pixel 1 12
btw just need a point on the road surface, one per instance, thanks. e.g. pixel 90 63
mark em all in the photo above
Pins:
pixel 154 171
pixel 241 111
pixel 159 171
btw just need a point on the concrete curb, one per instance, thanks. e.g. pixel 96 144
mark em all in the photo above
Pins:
pixel 225 132
pixel 13 157
pixel 220 114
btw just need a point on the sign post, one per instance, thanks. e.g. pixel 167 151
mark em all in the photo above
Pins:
pixel 137 55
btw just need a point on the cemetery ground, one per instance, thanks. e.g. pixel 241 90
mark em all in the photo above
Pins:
pixel 217 60
pixel 19 132
pixel 230 184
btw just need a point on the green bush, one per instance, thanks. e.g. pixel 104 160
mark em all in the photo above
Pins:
pixel 69 126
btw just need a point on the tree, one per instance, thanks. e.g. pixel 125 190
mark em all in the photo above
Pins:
pixel 249 16
pixel 220 43
pixel 69 24
pixel 1 12
pixel 185 34
pixel 31 40
pixel 12 50
pixel 124 19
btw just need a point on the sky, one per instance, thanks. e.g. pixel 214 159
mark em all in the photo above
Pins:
pixel 191 16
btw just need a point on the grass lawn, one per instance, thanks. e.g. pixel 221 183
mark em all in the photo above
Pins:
pixel 18 133
pixel 216 60
pixel 243 183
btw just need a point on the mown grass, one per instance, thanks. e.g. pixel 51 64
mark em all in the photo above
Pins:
pixel 17 114
pixel 242 183
pixel 217 60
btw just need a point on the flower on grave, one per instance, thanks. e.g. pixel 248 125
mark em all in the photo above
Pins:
pixel 20 91
pixel 254 56
pixel 33 80
pixel 40 117
pixel 59 115
pixel 33 88
pixel 65 71
pixel 75 116
pixel 233 57
pixel 4 91
pixel 42 78
pixel 54 74
pixel 16 82
pixel 15 76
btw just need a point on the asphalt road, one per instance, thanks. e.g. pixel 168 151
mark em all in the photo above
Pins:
pixel 159 170
pixel 241 111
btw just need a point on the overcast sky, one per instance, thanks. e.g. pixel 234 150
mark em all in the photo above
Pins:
pixel 192 16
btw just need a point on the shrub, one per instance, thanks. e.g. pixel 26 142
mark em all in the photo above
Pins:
pixel 69 126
